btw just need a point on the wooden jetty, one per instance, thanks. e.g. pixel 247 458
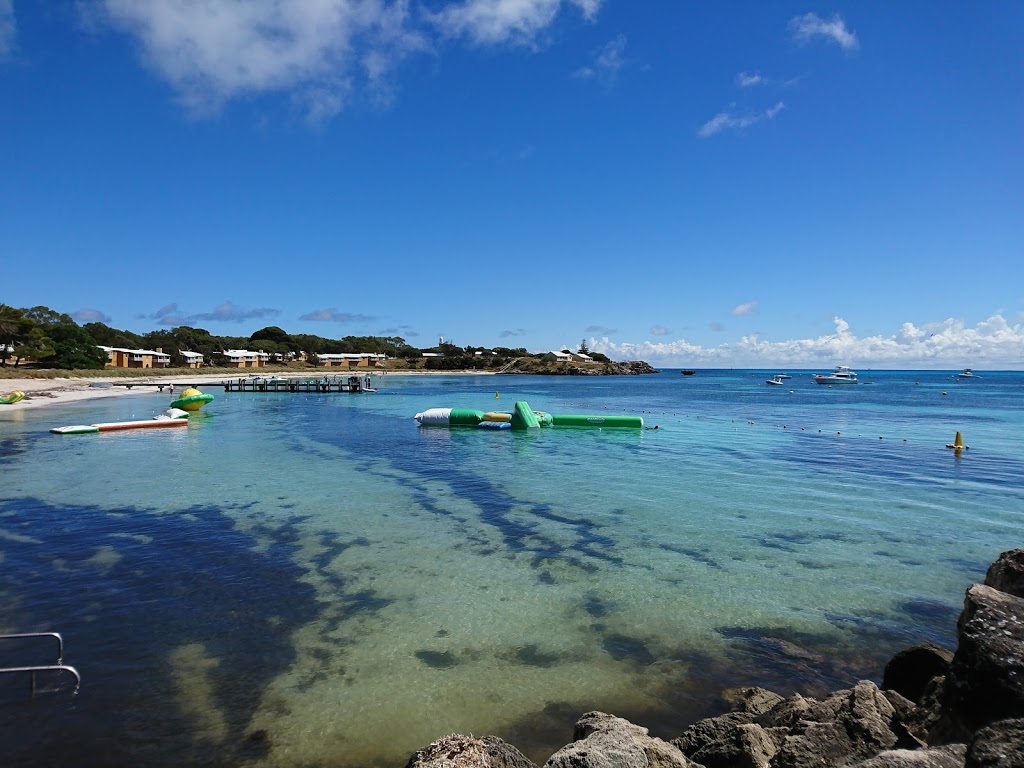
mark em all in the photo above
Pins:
pixel 353 384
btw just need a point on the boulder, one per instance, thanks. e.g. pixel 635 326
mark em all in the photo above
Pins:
pixel 909 671
pixel 755 701
pixel 1000 745
pixel 847 727
pixel 606 741
pixel 986 677
pixel 951 756
pixel 1007 573
pixel 710 730
pixel 786 713
pixel 458 751
pixel 745 746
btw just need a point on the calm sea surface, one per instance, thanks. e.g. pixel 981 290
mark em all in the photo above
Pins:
pixel 315 580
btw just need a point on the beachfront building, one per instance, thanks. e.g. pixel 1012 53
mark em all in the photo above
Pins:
pixel 121 357
pixel 243 358
pixel 192 359
pixel 568 357
pixel 350 360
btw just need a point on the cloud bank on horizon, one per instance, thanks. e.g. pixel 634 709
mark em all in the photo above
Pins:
pixel 993 343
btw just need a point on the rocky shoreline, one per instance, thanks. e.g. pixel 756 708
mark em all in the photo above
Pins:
pixel 543 368
pixel 935 709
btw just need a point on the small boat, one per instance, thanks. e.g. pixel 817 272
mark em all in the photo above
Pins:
pixel 12 398
pixel 776 380
pixel 172 417
pixel 966 373
pixel 840 375
pixel 782 376
pixel 688 372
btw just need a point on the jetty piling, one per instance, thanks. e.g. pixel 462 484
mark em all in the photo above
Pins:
pixel 351 384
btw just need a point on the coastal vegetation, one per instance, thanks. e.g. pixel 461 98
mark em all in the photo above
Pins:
pixel 40 339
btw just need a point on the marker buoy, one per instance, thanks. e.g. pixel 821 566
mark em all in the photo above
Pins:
pixel 958 443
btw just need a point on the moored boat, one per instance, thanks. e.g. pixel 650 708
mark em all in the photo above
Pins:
pixel 776 380
pixel 966 373
pixel 841 374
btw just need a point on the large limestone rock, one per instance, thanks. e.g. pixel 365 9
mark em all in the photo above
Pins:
pixel 847 727
pixel 458 751
pixel 937 757
pixel 605 741
pixel 1000 745
pixel 986 677
pixel 1007 573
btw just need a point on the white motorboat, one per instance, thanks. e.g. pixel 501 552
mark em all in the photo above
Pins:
pixel 782 376
pixel 776 380
pixel 966 373
pixel 840 375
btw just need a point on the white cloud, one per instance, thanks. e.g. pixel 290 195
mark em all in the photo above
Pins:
pixel 810 25
pixel 659 330
pixel 729 120
pixel 211 51
pixel 8 27
pixel 331 315
pixel 502 21
pixel 320 53
pixel 745 80
pixel 607 63
pixel 228 312
pixel 993 343
pixel 90 316
pixel 740 310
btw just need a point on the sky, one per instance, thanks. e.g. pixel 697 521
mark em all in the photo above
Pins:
pixel 736 184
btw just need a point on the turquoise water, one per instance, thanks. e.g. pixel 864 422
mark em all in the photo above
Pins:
pixel 316 580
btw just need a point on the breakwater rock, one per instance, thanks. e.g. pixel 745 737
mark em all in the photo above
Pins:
pixel 934 709
pixel 558 368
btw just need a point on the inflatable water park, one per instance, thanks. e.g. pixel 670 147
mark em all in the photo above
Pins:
pixel 521 418
pixel 190 401
pixel 12 398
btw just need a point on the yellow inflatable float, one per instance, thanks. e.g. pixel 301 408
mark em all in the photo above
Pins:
pixel 12 398
pixel 191 400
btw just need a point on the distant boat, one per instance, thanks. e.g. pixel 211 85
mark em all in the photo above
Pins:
pixel 688 372
pixel 782 376
pixel 776 380
pixel 840 375
pixel 966 373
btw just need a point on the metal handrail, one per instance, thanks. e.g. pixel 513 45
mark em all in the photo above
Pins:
pixel 46 668
pixel 60 666
pixel 60 641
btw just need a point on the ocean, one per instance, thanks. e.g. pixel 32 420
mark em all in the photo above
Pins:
pixel 315 580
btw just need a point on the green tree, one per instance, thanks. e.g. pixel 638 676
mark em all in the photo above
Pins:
pixel 14 327
pixel 46 316
pixel 74 348
pixel 271 333
pixel 35 344
pixel 584 349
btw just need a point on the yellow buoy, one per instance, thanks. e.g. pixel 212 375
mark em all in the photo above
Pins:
pixel 958 443
pixel 495 395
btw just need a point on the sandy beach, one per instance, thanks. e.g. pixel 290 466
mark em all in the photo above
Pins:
pixel 41 392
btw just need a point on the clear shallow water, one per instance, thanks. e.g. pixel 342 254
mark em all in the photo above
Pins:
pixel 315 580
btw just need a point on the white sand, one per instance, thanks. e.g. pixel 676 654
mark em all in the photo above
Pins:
pixel 43 392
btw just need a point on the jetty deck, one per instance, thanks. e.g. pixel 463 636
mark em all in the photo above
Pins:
pixel 351 384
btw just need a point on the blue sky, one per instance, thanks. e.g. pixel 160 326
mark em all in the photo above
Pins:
pixel 693 184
